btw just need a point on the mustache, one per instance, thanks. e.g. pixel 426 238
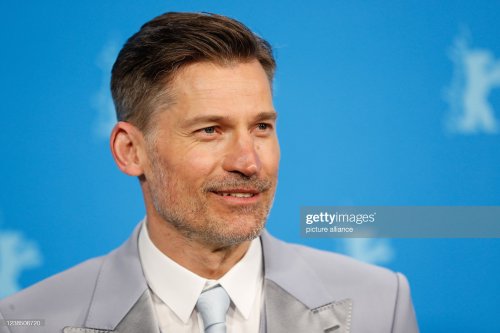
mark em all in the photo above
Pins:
pixel 241 182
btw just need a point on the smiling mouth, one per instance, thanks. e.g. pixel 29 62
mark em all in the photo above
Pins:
pixel 241 193
pixel 235 194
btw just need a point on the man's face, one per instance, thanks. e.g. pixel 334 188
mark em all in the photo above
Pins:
pixel 214 154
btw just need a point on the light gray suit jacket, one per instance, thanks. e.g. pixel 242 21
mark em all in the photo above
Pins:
pixel 305 291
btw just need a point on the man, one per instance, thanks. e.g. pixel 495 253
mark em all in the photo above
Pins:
pixel 197 127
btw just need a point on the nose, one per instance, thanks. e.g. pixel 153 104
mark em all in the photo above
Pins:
pixel 242 156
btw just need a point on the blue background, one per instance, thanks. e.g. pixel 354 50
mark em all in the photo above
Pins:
pixel 360 91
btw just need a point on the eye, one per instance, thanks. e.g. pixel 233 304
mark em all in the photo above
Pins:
pixel 208 133
pixel 208 130
pixel 263 126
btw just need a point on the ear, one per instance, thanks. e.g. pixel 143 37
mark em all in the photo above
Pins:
pixel 127 147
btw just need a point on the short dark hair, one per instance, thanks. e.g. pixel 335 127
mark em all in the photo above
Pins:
pixel 150 59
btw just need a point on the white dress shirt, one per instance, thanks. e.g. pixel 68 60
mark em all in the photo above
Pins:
pixel 175 289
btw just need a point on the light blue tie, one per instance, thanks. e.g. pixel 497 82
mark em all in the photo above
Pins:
pixel 213 304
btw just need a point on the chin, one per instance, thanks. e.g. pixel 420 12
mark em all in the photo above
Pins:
pixel 229 234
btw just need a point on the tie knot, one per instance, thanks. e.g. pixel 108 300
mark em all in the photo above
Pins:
pixel 212 305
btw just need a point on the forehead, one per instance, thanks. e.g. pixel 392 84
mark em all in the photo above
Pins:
pixel 211 83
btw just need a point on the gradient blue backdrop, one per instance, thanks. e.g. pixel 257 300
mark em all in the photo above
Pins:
pixel 361 94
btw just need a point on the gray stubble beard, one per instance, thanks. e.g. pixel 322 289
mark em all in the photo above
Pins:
pixel 209 231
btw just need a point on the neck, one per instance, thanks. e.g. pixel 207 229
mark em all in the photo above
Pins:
pixel 209 261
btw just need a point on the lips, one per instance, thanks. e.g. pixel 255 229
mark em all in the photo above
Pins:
pixel 237 193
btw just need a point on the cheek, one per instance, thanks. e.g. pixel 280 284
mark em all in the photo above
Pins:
pixel 270 156
pixel 194 167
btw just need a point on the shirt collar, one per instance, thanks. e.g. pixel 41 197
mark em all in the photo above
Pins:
pixel 244 280
pixel 179 288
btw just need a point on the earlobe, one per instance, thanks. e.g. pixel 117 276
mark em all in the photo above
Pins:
pixel 126 146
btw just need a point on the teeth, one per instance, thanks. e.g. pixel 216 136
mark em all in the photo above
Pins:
pixel 238 195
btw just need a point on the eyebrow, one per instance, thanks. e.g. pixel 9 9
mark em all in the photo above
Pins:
pixel 268 115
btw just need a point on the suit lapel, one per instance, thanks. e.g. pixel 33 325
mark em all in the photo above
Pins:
pixel 121 302
pixel 139 319
pixel 295 298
